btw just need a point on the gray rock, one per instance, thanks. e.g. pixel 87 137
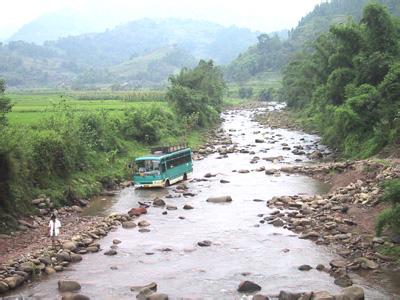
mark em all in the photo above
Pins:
pixel 221 199
pixel 76 257
pixel 111 252
pixel 49 270
pixel 128 224
pixel 158 202
pixel 69 245
pixel 187 206
pixel 343 281
pixel 322 296
pixel 151 286
pixel 204 243
pixel 116 242
pixel 68 286
pixel 260 297
pixel 305 268
pixel 157 296
pixel 63 256
pixel 338 263
pixel 278 222
pixel 366 263
pixel 73 296
pixel 243 171
pixel 143 223
pixel 224 181
pixel 171 207
pixel 283 295
pixel 248 287
pixel 26 267
pixel 3 287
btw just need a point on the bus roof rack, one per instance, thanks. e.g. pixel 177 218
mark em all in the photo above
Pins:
pixel 167 149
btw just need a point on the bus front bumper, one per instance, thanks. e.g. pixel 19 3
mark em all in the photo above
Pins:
pixel 157 183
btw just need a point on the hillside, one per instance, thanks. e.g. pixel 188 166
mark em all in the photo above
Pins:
pixel 52 26
pixel 117 56
pixel 202 39
pixel 272 53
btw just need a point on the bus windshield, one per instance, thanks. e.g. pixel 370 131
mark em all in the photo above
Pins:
pixel 147 166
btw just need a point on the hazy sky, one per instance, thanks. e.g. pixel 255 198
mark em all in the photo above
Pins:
pixel 262 15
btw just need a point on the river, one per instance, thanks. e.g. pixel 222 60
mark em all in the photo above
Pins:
pixel 242 247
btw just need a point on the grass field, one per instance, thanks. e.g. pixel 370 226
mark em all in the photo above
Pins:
pixel 262 81
pixel 30 108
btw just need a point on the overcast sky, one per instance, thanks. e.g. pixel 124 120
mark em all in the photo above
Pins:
pixel 262 15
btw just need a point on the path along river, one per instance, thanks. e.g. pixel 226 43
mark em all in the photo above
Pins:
pixel 242 249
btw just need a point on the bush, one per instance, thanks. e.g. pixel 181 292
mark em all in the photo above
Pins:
pixel 390 217
pixel 245 92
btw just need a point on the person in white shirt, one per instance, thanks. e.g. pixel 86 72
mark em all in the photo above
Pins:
pixel 54 227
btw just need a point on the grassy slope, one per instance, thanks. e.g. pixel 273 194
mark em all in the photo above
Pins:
pixel 104 168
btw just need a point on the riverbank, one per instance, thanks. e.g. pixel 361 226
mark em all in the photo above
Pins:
pixel 345 218
pixel 206 232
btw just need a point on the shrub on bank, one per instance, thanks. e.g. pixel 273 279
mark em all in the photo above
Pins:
pixel 70 155
pixel 390 217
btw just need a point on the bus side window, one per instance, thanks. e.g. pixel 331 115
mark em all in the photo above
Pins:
pixel 162 166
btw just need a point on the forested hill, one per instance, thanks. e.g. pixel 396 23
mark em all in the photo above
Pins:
pixel 348 84
pixel 272 53
pixel 90 59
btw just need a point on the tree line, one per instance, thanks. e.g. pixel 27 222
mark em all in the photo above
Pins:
pixel 348 85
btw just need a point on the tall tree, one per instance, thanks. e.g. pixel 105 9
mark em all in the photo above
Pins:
pixel 5 104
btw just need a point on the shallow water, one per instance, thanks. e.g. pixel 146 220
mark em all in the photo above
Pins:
pixel 242 249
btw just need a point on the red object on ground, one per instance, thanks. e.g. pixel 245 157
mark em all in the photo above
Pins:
pixel 137 211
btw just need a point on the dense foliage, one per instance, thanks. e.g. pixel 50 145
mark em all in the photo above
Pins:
pixel 272 53
pixel 390 217
pixel 198 92
pixel 349 84
pixel 70 153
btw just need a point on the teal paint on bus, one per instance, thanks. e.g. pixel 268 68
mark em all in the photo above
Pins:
pixel 158 170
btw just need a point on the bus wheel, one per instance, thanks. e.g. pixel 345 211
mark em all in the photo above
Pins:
pixel 166 184
pixel 185 176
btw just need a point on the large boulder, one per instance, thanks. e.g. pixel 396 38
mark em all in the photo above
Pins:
pixel 366 263
pixel 76 257
pixel 248 287
pixel 322 296
pixel 3 287
pixel 220 199
pixel 354 293
pixel 68 286
pixel 338 263
pixel 13 281
pixel 69 245
pixel 63 256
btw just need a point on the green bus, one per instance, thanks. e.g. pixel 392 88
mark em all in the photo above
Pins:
pixel 163 167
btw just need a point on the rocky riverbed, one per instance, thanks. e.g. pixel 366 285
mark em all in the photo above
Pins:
pixel 230 232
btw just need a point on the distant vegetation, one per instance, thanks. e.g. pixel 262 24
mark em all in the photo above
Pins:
pixel 197 94
pixel 71 145
pixel 272 53
pixel 134 55
pixel 349 84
